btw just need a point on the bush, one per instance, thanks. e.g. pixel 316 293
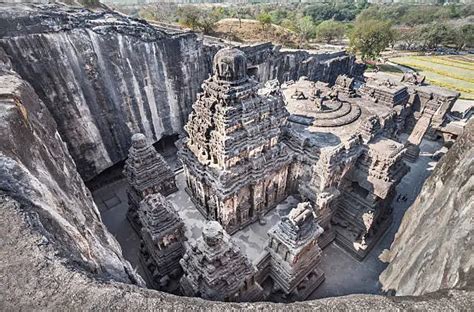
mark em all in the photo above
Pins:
pixel 330 30
pixel 265 20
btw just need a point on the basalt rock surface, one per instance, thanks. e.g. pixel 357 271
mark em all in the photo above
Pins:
pixel 37 171
pixel 56 254
pixel 433 247
pixel 104 76
pixel 35 278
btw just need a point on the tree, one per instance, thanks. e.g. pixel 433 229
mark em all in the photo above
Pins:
pixel 434 35
pixel 330 30
pixel 207 21
pixel 265 20
pixel 189 16
pixel 409 36
pixel 305 28
pixel 463 36
pixel 370 38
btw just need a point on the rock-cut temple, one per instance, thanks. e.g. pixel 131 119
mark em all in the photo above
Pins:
pixel 235 162
pixel 335 150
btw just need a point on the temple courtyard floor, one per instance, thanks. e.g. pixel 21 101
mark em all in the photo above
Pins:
pixel 344 274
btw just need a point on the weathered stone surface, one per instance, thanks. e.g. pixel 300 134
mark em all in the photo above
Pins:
pixel 162 242
pixel 104 76
pixel 235 163
pixel 216 269
pixel 54 286
pixel 348 161
pixel 147 173
pixel 43 269
pixel 433 246
pixel 295 254
pixel 37 170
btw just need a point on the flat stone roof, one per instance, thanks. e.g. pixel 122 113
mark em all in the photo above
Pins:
pixel 394 87
pixel 386 147
pixel 305 115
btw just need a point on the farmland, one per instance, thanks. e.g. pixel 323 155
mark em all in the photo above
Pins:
pixel 454 72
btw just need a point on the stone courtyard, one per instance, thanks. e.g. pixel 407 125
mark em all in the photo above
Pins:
pixel 349 275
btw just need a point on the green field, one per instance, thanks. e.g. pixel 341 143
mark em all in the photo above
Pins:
pixel 454 72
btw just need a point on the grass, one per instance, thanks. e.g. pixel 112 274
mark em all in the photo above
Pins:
pixel 251 31
pixel 454 72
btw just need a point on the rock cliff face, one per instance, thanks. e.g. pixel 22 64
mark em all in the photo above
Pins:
pixel 104 76
pixel 433 248
pixel 55 253
pixel 37 171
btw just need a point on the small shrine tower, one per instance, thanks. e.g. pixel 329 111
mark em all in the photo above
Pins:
pixel 147 173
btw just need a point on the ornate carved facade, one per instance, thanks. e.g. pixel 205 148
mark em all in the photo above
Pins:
pixel 235 163
pixel 295 254
pixel 162 242
pixel 147 173
pixel 215 269
pixel 364 211
pixel 333 142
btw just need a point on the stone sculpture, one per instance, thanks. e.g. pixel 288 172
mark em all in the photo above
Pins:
pixel 215 268
pixel 147 173
pixel 295 254
pixel 162 242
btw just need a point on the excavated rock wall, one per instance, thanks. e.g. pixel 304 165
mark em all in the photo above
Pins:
pixel 433 248
pixel 37 171
pixel 104 76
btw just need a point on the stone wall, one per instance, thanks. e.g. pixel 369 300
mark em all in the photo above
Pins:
pixel 433 247
pixel 104 76
pixel 37 171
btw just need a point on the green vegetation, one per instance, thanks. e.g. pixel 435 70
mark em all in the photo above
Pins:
pixel 420 27
pixel 370 38
pixel 452 72
pixel 330 30
pixel 197 19
pixel 265 20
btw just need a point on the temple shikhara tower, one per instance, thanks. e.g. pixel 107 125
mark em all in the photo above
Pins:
pixel 235 164
pixel 295 254
pixel 215 268
pixel 162 241
pixel 147 173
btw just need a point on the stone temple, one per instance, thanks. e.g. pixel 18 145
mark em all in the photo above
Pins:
pixel 295 254
pixel 236 166
pixel 331 156
pixel 215 269
pixel 162 243
pixel 147 173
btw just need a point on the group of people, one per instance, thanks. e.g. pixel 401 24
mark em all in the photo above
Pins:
pixel 402 198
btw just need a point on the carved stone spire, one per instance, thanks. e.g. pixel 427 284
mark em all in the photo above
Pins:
pixel 147 173
pixel 295 254
pixel 215 268
pixel 233 157
pixel 162 241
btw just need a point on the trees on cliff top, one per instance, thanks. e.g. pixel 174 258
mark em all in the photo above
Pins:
pixel 370 38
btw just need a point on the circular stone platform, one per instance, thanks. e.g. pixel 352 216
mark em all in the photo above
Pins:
pixel 335 113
